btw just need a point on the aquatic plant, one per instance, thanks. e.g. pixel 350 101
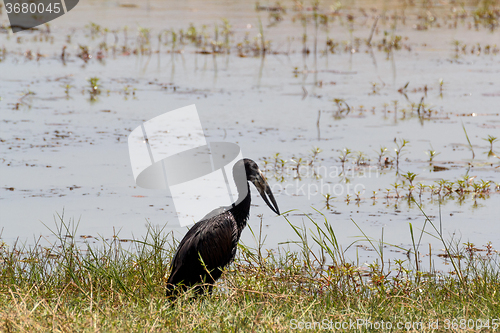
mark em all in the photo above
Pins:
pixel 487 14
pixel 375 88
pixel 276 158
pixel 315 151
pixel 94 88
pixel 106 283
pixel 399 150
pixel 410 177
pixel 67 87
pixel 396 185
pixel 95 29
pixel 84 53
pixel 361 159
pixel 328 197
pixel 143 40
pixel 226 33
pixel 468 141
pixel 441 83
pixel 94 85
pixel 298 162
pixel 491 139
pixel 342 105
pixel 381 153
pixel 344 156
pixel 431 153
pixel 421 189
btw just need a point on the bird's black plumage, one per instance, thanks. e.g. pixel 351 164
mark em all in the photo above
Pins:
pixel 211 244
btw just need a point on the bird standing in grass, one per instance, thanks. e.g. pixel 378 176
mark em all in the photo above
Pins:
pixel 211 244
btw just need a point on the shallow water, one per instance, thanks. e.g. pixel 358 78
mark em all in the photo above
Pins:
pixel 65 152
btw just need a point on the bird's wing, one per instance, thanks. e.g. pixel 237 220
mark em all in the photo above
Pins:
pixel 213 240
pixel 217 242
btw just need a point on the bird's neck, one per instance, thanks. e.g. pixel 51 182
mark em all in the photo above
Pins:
pixel 242 210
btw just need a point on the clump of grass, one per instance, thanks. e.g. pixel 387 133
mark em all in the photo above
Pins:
pixel 118 285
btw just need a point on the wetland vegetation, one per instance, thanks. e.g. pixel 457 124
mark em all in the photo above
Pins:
pixel 119 285
pixel 363 121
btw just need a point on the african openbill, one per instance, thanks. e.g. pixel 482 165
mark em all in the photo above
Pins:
pixel 211 244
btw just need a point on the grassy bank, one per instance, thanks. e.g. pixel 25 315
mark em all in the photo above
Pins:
pixel 119 286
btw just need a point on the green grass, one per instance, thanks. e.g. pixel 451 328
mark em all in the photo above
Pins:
pixel 119 286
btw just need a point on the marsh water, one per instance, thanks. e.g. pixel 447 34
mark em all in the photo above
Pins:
pixel 285 86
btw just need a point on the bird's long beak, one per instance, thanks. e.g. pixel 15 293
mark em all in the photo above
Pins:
pixel 265 192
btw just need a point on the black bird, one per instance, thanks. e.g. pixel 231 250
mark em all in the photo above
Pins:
pixel 211 244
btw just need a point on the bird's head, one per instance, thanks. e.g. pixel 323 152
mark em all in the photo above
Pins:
pixel 255 176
